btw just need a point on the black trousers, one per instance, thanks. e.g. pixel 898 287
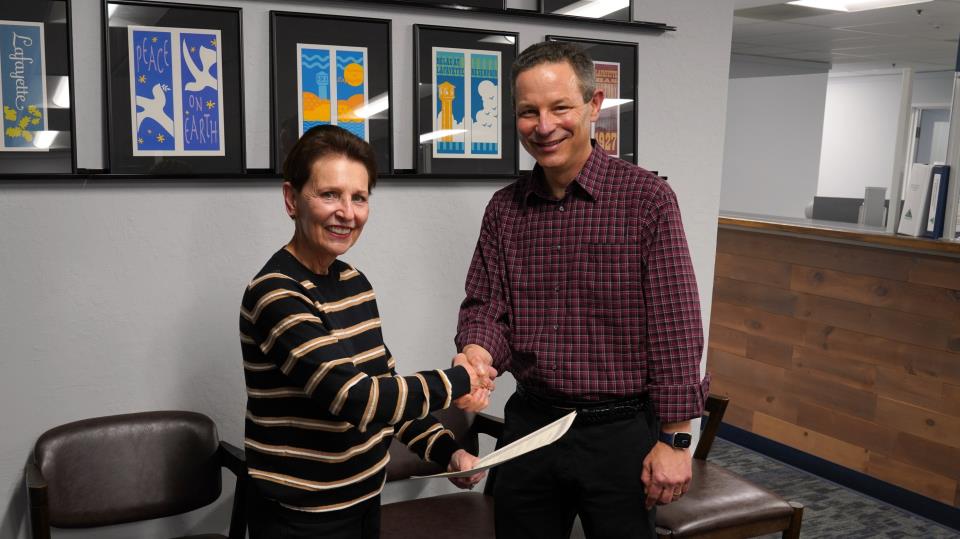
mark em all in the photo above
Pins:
pixel 266 519
pixel 593 471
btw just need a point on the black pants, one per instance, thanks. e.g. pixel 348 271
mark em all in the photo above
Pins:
pixel 593 471
pixel 266 519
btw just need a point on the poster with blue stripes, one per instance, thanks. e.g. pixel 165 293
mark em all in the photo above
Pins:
pixel 176 91
pixel 333 87
pixel 485 104
pixel 466 104
pixel 23 90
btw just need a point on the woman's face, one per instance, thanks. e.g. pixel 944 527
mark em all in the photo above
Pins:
pixel 332 207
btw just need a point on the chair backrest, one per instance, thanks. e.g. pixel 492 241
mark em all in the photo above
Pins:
pixel 405 463
pixel 124 468
pixel 715 407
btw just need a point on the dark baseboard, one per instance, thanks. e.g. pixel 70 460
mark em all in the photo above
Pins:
pixel 881 490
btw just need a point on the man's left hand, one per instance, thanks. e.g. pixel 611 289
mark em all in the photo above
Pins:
pixel 461 460
pixel 666 474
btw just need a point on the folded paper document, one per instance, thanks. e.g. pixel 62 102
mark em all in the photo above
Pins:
pixel 535 440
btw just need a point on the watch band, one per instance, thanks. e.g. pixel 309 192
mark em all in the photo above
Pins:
pixel 679 440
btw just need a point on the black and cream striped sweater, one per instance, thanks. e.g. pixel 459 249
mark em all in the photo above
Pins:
pixel 323 395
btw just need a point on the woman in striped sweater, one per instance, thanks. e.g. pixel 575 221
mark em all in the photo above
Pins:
pixel 323 395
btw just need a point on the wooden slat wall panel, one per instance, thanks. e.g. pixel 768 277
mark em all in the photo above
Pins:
pixel 846 352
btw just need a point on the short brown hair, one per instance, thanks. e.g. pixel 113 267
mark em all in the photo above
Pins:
pixel 554 52
pixel 324 141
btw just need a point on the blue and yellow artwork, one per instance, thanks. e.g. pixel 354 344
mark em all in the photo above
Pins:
pixel 449 102
pixel 176 91
pixel 485 104
pixel 23 89
pixel 201 84
pixel 332 92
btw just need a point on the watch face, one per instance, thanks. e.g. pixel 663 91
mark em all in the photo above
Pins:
pixel 682 440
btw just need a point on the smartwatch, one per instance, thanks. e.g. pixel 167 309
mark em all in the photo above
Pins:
pixel 679 440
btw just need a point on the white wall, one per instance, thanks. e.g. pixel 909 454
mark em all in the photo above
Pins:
pixel 122 296
pixel 860 128
pixel 772 150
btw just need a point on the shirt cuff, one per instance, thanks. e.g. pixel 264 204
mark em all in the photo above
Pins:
pixel 459 382
pixel 443 449
pixel 676 403
pixel 491 342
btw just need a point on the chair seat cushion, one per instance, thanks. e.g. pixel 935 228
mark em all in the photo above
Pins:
pixel 718 499
pixel 464 515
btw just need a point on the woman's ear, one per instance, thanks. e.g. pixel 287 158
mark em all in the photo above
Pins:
pixel 290 199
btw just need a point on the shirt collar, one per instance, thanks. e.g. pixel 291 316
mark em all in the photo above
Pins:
pixel 587 182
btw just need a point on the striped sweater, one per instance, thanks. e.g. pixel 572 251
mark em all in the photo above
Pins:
pixel 323 395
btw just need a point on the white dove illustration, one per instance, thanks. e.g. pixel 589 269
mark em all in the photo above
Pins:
pixel 202 77
pixel 153 108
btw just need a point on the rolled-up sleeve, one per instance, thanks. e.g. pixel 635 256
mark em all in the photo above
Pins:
pixel 674 325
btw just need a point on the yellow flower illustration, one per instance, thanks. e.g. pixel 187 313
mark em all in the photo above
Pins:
pixel 160 137
pixel 213 42
pixel 35 121
pixel 9 113
pixel 32 109
pixel 210 104
pixel 142 79
pixel 24 122
pixel 28 136
pixel 14 132
pixel 154 40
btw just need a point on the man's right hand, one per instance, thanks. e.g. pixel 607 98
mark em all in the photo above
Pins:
pixel 481 383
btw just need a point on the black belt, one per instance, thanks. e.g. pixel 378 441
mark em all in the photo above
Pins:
pixel 588 412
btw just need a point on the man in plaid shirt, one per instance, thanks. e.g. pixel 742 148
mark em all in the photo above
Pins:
pixel 582 287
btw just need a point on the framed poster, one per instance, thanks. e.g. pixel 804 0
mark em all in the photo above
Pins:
pixel 590 9
pixel 174 95
pixel 464 104
pixel 36 129
pixel 330 70
pixel 615 69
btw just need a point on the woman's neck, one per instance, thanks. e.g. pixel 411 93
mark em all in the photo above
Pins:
pixel 312 261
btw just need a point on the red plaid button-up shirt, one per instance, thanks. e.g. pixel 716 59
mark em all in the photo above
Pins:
pixel 592 296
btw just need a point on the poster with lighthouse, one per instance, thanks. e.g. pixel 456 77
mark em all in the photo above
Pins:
pixel 333 89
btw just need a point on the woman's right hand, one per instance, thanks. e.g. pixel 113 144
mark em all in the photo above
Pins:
pixel 481 384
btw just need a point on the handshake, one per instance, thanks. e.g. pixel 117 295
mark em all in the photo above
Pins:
pixel 479 365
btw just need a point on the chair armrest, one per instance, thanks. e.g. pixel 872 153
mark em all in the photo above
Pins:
pixel 37 494
pixel 716 405
pixel 233 458
pixel 487 424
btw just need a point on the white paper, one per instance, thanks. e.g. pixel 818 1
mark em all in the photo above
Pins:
pixel 913 218
pixel 535 440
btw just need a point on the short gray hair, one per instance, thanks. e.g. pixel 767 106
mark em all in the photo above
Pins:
pixel 553 52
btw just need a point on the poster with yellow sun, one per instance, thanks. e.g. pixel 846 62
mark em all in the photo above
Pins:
pixel 332 81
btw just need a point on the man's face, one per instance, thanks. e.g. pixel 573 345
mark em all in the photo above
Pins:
pixel 552 118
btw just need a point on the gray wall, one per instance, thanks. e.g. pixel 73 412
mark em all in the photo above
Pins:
pixel 123 296
pixel 774 129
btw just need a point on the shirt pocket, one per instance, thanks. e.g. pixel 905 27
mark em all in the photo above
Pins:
pixel 613 278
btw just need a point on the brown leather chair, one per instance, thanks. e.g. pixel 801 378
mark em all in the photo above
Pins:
pixel 721 504
pixel 125 468
pixel 464 515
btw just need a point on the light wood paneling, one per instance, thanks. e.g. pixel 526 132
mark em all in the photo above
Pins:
pixel 849 353
pixel 845 454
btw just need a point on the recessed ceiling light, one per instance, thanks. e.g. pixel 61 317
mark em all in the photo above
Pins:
pixel 854 5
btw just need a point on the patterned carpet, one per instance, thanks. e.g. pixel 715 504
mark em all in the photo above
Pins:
pixel 830 510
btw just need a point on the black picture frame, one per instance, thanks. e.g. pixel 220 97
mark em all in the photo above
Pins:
pixel 51 148
pixel 625 54
pixel 373 36
pixel 499 5
pixel 574 8
pixel 477 159
pixel 118 16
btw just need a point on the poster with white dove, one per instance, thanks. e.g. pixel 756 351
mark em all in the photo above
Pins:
pixel 176 91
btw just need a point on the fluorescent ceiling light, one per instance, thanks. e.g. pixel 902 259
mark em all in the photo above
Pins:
pixel 609 102
pixel 61 96
pixel 434 135
pixel 593 9
pixel 377 104
pixel 43 139
pixel 854 5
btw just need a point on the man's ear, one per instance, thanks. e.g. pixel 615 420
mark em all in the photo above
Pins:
pixel 595 102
